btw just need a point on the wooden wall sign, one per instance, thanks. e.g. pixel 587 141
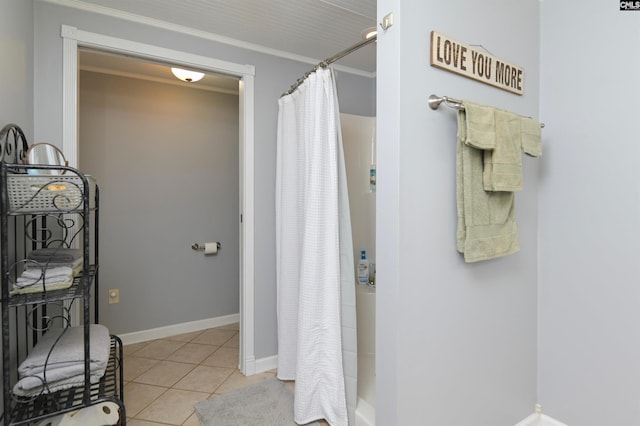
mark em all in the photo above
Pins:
pixel 459 58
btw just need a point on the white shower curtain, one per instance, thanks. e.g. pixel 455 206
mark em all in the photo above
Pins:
pixel 315 275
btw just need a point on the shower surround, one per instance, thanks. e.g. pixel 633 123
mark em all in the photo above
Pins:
pixel 358 135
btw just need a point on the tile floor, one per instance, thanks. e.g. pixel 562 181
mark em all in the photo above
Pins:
pixel 165 377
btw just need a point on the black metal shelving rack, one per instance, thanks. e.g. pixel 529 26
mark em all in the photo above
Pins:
pixel 47 217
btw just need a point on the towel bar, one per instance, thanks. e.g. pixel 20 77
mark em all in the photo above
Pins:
pixel 434 102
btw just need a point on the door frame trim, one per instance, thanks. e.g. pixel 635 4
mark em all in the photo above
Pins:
pixel 74 38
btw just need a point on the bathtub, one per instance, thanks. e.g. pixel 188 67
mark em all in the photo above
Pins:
pixel 366 322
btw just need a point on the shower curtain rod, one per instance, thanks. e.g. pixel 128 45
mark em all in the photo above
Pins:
pixel 325 63
pixel 434 102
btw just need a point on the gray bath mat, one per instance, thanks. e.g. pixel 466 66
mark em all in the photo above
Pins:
pixel 267 403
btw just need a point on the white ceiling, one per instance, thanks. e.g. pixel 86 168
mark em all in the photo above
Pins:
pixel 313 29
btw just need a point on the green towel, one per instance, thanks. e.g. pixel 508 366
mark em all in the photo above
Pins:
pixel 486 220
pixel 503 163
pixel 481 127
pixel 531 134
pixel 502 135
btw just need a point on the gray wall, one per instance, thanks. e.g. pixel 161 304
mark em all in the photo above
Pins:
pixel 456 342
pixel 273 76
pixel 16 72
pixel 589 313
pixel 166 159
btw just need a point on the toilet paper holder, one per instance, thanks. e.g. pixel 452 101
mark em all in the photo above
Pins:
pixel 200 246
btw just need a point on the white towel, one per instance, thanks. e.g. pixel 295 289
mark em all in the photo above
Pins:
pixel 58 385
pixel 53 360
pixel 48 273
pixel 55 254
pixel 74 264
pixel 30 282
pixel 37 287
pixel 37 280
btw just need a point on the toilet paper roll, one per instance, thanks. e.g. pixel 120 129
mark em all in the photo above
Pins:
pixel 211 248
pixel 106 413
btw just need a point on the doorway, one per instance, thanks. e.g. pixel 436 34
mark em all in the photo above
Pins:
pixel 74 39
pixel 165 153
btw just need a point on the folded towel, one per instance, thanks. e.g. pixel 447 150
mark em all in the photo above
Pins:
pixel 486 220
pixel 43 280
pixel 38 278
pixel 53 254
pixel 58 378
pixel 480 126
pixel 37 287
pixel 64 358
pixel 502 135
pixel 503 164
pixel 58 385
pixel 47 273
pixel 28 282
pixel 75 264
pixel 531 134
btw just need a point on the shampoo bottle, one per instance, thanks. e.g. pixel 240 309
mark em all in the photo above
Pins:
pixel 363 268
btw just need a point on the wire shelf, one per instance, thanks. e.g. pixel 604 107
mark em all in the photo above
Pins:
pixel 109 388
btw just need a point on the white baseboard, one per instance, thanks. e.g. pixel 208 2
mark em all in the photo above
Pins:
pixel 266 364
pixel 173 330
pixel 532 420
pixel 548 421
pixel 539 419
pixel 254 366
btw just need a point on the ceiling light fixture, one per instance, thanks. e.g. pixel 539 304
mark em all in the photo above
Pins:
pixel 369 32
pixel 186 75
